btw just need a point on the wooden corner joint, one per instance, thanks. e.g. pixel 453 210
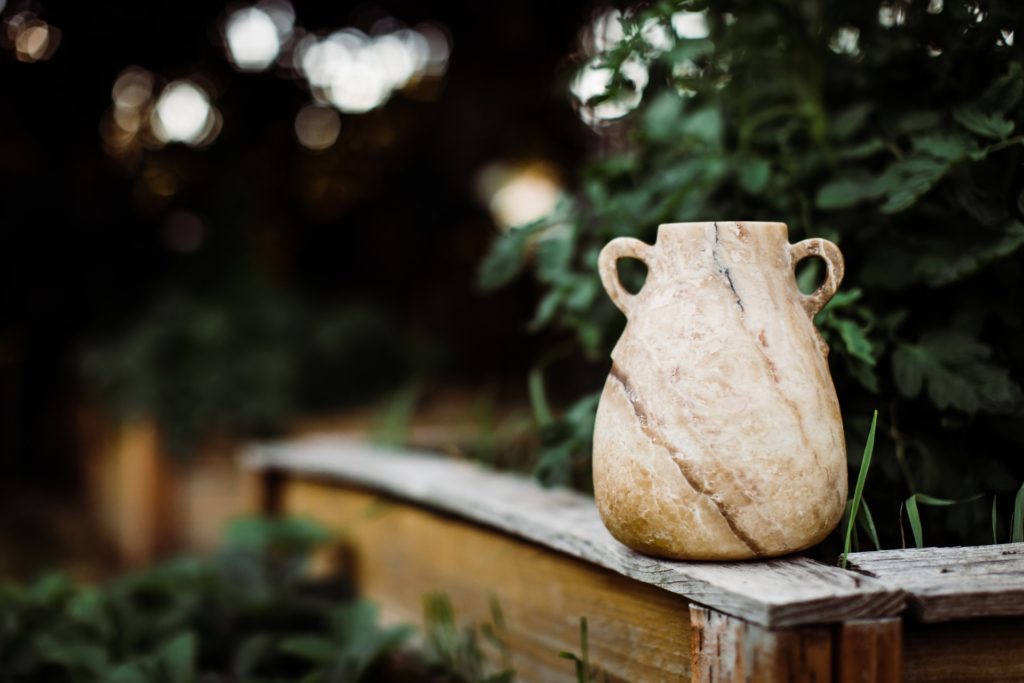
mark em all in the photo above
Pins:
pixel 727 648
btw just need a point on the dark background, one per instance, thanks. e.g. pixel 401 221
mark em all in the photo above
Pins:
pixel 396 221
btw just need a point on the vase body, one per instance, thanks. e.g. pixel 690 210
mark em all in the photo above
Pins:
pixel 718 434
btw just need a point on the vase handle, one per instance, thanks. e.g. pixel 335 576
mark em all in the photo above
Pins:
pixel 834 268
pixel 607 266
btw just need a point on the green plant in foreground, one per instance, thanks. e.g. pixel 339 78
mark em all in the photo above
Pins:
pixel 585 673
pixel 1017 522
pixel 895 135
pixel 457 650
pixel 858 493
pixel 251 613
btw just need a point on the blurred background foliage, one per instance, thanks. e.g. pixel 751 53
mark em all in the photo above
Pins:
pixel 893 129
pixel 247 360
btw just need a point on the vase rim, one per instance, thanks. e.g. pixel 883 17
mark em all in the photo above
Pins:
pixel 678 229
pixel 691 224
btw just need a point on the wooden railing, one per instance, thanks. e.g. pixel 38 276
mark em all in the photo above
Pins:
pixel 414 524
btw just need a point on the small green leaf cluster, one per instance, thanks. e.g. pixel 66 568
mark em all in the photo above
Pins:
pixel 894 130
pixel 458 650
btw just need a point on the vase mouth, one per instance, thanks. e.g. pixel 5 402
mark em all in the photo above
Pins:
pixel 675 228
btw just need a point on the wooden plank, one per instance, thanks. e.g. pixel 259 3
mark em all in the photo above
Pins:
pixel 944 584
pixel 869 651
pixel 774 593
pixel 978 651
pixel 726 648
pixel 398 553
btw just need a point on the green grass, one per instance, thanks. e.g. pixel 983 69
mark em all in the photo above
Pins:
pixel 914 514
pixel 1017 520
pixel 858 495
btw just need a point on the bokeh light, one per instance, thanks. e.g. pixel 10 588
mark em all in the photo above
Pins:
pixel 593 79
pixel 355 72
pixel 845 41
pixel 691 25
pixel 183 113
pixel 317 127
pixel 33 39
pixel 254 35
pixel 133 88
pixel 521 193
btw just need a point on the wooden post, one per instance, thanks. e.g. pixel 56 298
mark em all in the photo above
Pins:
pixel 725 648
pixel 870 651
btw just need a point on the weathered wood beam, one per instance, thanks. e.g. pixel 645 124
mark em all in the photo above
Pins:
pixel 773 593
pixel 944 584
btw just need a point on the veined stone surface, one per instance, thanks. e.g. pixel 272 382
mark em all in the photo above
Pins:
pixel 718 434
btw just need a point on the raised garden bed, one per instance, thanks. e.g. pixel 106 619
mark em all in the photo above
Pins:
pixel 414 524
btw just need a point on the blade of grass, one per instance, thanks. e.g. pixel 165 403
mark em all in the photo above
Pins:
pixel 995 521
pixel 914 515
pixel 915 521
pixel 858 490
pixel 867 523
pixel 539 397
pixel 1017 520
pixel 585 646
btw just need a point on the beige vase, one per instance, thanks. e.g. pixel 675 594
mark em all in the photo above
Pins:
pixel 718 435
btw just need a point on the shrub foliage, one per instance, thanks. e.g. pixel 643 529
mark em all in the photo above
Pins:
pixel 893 129
pixel 252 613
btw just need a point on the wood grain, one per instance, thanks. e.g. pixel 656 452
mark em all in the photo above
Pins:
pixel 945 584
pixel 774 593
pixel 399 553
pixel 869 651
pixel 726 648
pixel 978 651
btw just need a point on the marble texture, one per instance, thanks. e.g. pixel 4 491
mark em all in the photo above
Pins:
pixel 718 434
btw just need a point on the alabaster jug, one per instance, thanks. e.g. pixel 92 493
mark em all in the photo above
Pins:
pixel 718 434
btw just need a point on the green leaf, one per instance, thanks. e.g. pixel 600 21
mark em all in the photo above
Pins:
pixel 858 491
pixel 915 521
pixel 944 145
pixel 553 254
pixel 250 654
pixel 947 268
pixel 844 192
pixel 854 338
pixel 995 520
pixel 314 648
pixel 917 120
pixel 907 180
pixel 867 522
pixel 863 150
pixel 754 175
pixel 704 124
pixel 176 659
pixel 914 515
pixel 506 258
pixel 663 117
pixel 131 672
pixel 851 120
pixel 987 124
pixel 957 372
pixel 985 116
pixel 1017 519
pixel 909 365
